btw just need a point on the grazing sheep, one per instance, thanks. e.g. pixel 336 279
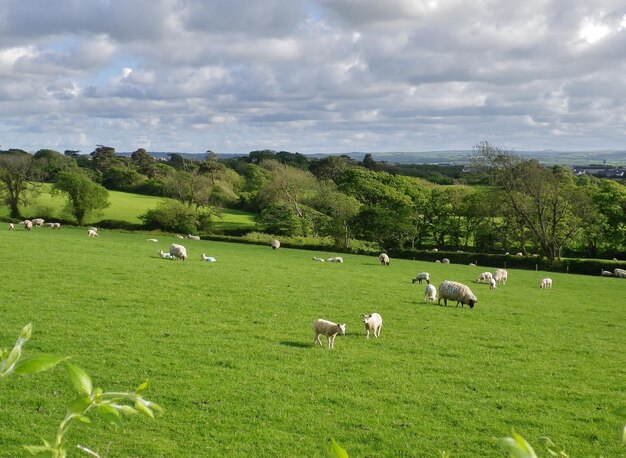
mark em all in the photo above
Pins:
pixel 606 273
pixel 11 226
pixel 165 255
pixel 275 244
pixel 500 276
pixel 56 226
pixel 373 322
pixel 92 233
pixel 430 293
pixel 193 237
pixel 206 258
pixel 520 254
pixel 329 329
pixel 456 292
pixel 546 283
pixel 485 276
pixel 178 251
pixel 383 258
pixel 178 236
pixel 95 229
pixel 335 259
pixel 152 240
pixel 421 276
pixel 620 273
pixel 445 261
pixel 437 261
pixel 472 264
pixel 318 259
pixel 38 222
pixel 492 283
pixel 28 225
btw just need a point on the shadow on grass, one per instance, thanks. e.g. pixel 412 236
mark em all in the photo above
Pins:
pixel 289 343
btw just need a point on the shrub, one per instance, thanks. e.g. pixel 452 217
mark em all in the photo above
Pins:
pixel 173 216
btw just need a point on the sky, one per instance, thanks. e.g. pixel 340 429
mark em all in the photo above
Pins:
pixel 312 76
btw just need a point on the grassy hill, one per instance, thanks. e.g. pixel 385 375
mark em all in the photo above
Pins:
pixel 227 348
pixel 124 207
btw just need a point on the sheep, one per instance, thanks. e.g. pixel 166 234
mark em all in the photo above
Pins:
pixel 546 283
pixel 373 322
pixel 165 255
pixel 11 226
pixel 178 251
pixel 275 244
pixel 437 261
pixel 492 283
pixel 95 229
pixel 434 249
pixel 92 233
pixel 471 264
pixel 28 225
pixel 421 276
pixel 329 329
pixel 620 273
pixel 445 261
pixel 318 259
pixel 606 273
pixel 206 258
pixel 152 240
pixel 500 276
pixel 430 293
pixel 178 236
pixel 193 237
pixel 383 258
pixel 456 292
pixel 485 276
pixel 38 222
pixel 335 259
pixel 56 225
pixel 519 254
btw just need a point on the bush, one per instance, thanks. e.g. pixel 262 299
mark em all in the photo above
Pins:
pixel 171 216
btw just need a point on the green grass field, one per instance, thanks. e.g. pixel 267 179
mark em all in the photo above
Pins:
pixel 124 207
pixel 227 348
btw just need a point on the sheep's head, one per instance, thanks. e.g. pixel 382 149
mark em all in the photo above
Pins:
pixel 342 329
pixel 472 303
pixel 414 280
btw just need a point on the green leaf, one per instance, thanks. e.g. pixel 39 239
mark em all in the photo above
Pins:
pixel 624 436
pixel 80 379
pixel 621 411
pixel 110 415
pixel 336 451
pixel 141 388
pixel 39 450
pixel 79 405
pixel 143 408
pixel 27 331
pixel 82 419
pixel 34 364
pixel 128 410
pixel 516 446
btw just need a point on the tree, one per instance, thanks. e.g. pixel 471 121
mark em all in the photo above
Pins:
pixel 188 187
pixel 103 158
pixel 50 163
pixel 18 175
pixel 144 163
pixel 84 196
pixel 340 210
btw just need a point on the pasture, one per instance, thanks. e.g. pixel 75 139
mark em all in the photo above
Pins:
pixel 227 348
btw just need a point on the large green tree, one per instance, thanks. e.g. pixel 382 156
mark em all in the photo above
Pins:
pixel 18 180
pixel 84 197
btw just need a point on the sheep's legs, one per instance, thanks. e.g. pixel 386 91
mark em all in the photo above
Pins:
pixel 317 340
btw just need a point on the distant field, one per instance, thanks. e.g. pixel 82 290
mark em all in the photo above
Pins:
pixel 227 348
pixel 125 207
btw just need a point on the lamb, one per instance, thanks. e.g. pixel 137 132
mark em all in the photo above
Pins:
pixel 193 237
pixel 456 292
pixel 373 322
pixel 620 273
pixel 92 233
pixel 519 254
pixel 178 236
pixel 422 276
pixel 329 329
pixel 500 276
pixel 546 283
pixel 28 225
pixel 38 222
pixel 445 261
pixel 492 283
pixel 165 255
pixel 430 293
pixel 485 276
pixel 206 258
pixel 11 226
pixel 318 259
pixel 606 273
pixel 275 244
pixel 472 264
pixel 55 225
pixel 95 229
pixel 383 258
pixel 178 251
pixel 335 259
pixel 152 240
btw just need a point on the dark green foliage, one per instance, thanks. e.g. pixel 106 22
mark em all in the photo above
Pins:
pixel 173 216
pixel 280 219
pixel 84 197
pixel 121 178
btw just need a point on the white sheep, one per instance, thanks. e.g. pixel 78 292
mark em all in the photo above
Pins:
pixel 383 258
pixel 329 329
pixel 546 283
pixel 206 258
pixel 11 226
pixel 152 240
pixel 500 276
pixel 620 273
pixel 92 233
pixel 434 249
pixel 437 261
pixel 458 292
pixel 193 237
pixel 421 276
pixel 445 261
pixel 165 255
pixel 178 251
pixel 38 222
pixel 275 244
pixel 335 259
pixel 606 273
pixel 56 226
pixel 519 254
pixel 318 259
pixel 178 236
pixel 28 225
pixel 430 293
pixel 95 229
pixel 492 283
pixel 373 322
pixel 472 264
pixel 485 276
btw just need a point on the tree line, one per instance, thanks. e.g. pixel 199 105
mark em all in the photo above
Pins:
pixel 499 202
